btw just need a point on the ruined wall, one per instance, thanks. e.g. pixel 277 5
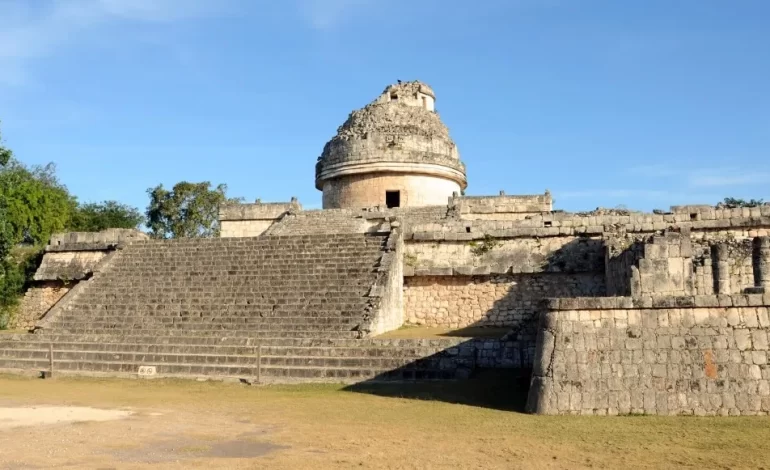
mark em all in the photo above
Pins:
pixel 35 303
pixel 517 255
pixel 501 207
pixel 702 355
pixel 368 190
pixel 650 265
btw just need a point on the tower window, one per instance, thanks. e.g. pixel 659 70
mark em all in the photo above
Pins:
pixel 393 97
pixel 393 199
pixel 425 102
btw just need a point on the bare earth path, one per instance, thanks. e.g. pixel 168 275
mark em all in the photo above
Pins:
pixel 169 424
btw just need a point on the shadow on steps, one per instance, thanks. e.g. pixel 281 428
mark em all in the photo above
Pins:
pixel 499 389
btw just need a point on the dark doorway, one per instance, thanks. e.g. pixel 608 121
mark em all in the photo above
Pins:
pixel 393 199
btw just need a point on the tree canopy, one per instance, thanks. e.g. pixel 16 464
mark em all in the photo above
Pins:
pixel 733 203
pixel 34 203
pixel 187 210
pixel 93 217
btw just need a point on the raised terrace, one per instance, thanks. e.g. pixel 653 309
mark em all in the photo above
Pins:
pixel 402 276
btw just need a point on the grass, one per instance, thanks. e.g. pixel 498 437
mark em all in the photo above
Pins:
pixel 470 424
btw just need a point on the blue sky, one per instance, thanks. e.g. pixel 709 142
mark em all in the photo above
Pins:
pixel 604 102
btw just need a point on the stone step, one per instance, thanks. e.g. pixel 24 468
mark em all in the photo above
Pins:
pixel 221 371
pixel 225 320
pixel 222 359
pixel 159 333
pixel 207 327
pixel 46 338
pixel 107 314
pixel 362 351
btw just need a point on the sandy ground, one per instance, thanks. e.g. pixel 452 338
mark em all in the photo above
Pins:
pixel 140 424
pixel 42 415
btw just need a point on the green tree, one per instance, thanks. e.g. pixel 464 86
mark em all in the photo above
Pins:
pixel 188 210
pixel 34 203
pixel 733 203
pixel 93 217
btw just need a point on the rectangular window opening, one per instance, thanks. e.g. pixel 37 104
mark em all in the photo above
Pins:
pixel 547 223
pixel 393 199
pixel 394 97
pixel 694 216
pixel 425 102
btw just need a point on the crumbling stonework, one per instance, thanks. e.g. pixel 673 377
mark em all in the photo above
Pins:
pixel 36 302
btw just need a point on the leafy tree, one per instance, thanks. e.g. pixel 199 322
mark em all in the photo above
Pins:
pixel 732 203
pixel 5 153
pixel 34 203
pixel 188 210
pixel 93 217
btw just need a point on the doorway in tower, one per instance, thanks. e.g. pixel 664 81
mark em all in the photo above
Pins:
pixel 392 199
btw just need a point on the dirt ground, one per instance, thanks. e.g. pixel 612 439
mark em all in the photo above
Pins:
pixel 473 424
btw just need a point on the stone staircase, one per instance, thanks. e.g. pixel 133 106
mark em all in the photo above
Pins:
pixel 277 308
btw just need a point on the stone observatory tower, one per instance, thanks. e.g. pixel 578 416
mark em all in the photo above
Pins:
pixel 394 152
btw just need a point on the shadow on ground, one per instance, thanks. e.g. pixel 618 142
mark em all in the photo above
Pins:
pixel 499 389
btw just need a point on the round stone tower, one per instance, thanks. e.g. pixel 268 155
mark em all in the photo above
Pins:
pixel 394 152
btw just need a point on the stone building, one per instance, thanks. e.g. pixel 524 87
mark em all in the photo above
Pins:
pixel 606 312
pixel 395 152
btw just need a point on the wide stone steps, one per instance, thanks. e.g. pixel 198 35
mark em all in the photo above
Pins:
pixel 281 308
pixel 202 333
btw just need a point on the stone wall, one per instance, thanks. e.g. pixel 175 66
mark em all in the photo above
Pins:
pixel 387 294
pixel 252 220
pixel 702 355
pixel 68 265
pixel 36 303
pixel 500 256
pixel 501 207
pixel 496 300
pixel 83 241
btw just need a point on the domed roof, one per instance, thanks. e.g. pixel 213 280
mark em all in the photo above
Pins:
pixel 398 130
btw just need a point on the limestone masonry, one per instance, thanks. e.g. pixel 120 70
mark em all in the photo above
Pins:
pixel 605 312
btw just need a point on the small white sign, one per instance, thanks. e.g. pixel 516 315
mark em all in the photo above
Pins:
pixel 146 371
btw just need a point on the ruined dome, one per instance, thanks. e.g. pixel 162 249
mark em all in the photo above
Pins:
pixel 398 133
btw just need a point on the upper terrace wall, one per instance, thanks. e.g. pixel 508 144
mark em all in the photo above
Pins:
pixel 571 239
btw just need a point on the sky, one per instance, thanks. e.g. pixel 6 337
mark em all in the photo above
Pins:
pixel 642 104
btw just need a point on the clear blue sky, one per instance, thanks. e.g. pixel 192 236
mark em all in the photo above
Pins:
pixel 640 103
